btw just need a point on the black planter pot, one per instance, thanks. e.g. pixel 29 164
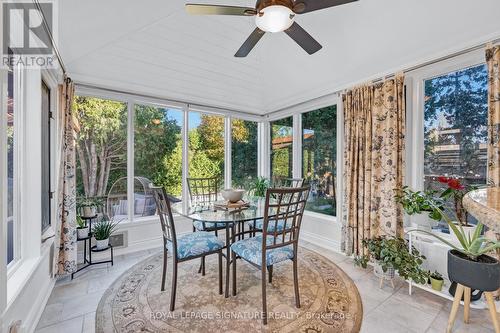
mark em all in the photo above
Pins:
pixel 474 294
pixel 483 274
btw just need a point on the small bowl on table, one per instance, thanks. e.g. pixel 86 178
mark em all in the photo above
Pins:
pixel 232 195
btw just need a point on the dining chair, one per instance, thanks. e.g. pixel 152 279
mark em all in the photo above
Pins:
pixel 183 248
pixel 278 182
pixel 285 207
pixel 204 192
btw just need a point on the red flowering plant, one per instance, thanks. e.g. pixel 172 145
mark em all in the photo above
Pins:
pixel 455 190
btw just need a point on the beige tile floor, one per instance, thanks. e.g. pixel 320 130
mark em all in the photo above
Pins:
pixel 72 304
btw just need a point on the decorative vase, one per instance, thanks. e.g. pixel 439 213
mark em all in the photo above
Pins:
pixel 82 232
pixel 379 272
pixel 483 274
pixel 102 244
pixel 437 284
pixel 89 211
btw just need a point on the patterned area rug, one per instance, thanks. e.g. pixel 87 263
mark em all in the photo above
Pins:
pixel 330 301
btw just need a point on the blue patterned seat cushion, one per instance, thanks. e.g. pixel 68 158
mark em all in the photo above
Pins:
pixel 208 225
pixel 251 249
pixel 259 224
pixel 195 244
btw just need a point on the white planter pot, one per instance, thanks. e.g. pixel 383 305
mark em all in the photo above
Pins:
pixel 102 244
pixel 469 230
pixel 379 272
pixel 82 232
pixel 89 211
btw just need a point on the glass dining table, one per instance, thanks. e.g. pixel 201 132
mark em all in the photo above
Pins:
pixel 230 218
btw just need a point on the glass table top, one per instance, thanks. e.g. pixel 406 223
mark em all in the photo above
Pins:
pixel 208 213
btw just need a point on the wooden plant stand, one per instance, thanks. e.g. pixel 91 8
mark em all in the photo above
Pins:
pixel 465 291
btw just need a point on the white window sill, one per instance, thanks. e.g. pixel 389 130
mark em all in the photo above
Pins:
pixel 319 216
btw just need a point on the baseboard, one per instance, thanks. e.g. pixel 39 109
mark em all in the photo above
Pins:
pixel 31 321
pixel 326 243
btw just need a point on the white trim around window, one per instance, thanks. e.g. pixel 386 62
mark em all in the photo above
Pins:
pixel 415 114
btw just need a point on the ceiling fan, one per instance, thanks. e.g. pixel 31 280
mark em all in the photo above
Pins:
pixel 272 16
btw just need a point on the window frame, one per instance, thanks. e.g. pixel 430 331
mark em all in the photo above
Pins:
pixel 415 93
pixel 18 81
pixel 131 100
pixel 296 112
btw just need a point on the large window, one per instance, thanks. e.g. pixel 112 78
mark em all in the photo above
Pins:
pixel 206 145
pixel 11 143
pixel 101 150
pixel 46 154
pixel 319 148
pixel 243 152
pixel 281 148
pixel 157 153
pixel 455 127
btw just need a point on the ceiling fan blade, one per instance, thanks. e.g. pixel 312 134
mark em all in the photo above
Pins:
pixel 302 37
pixel 250 43
pixel 199 9
pixel 306 6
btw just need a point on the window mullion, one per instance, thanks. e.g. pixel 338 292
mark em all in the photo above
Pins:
pixel 130 159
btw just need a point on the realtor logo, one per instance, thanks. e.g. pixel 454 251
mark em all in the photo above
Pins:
pixel 25 39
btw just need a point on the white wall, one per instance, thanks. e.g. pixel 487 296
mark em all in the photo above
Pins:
pixel 29 284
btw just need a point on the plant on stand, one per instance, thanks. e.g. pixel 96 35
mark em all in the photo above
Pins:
pixel 101 231
pixel 469 266
pixel 456 191
pixel 259 187
pixel 391 255
pixel 87 207
pixel 82 230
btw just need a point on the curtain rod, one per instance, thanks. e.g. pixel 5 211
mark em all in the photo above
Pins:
pixel 434 61
pixel 405 71
pixel 51 37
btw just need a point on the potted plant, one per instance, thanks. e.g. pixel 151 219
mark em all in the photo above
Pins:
pixel 468 262
pixel 259 187
pixel 437 281
pixel 392 254
pixel 87 207
pixel 101 231
pixel 82 230
pixel 455 191
pixel 418 202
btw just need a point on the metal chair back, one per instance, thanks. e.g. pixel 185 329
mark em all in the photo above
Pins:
pixel 203 190
pixel 283 205
pixel 280 182
pixel 166 219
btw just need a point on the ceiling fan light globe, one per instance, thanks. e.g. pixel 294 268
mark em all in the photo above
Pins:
pixel 274 18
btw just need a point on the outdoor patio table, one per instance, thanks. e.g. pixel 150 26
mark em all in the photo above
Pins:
pixel 207 213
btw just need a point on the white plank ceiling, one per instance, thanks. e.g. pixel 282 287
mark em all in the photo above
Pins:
pixel 153 47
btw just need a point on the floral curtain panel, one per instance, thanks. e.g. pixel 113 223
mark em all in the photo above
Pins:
pixel 493 61
pixel 65 238
pixel 374 126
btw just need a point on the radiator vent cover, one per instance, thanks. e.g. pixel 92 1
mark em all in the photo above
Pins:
pixel 119 239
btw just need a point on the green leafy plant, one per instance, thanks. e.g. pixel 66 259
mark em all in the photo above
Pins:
pixel 103 229
pixel 89 202
pixel 436 275
pixel 80 222
pixel 417 202
pixel 259 187
pixel 394 252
